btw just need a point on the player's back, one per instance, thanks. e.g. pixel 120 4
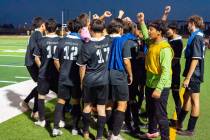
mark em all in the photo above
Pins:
pixel 95 55
pixel 46 49
pixel 67 53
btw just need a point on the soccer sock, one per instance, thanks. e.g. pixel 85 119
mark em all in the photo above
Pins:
pixel 182 115
pixel 31 95
pixel 192 123
pixel 100 126
pixel 76 113
pixel 177 100
pixel 35 109
pixel 58 115
pixel 118 122
pixel 86 118
pixel 41 109
pixel 109 119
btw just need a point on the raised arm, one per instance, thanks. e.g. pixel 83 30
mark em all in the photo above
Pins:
pixel 143 27
pixel 166 13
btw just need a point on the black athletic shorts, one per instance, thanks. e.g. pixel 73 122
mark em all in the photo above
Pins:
pixel 194 85
pixel 44 86
pixel 33 71
pixel 96 95
pixel 176 69
pixel 67 92
pixel 120 92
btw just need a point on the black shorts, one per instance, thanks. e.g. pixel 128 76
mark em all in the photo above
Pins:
pixel 67 92
pixel 96 95
pixel 44 86
pixel 120 92
pixel 176 68
pixel 194 85
pixel 33 71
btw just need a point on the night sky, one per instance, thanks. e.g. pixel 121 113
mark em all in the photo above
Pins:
pixel 21 11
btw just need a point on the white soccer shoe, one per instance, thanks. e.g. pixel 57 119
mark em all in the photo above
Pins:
pixel 40 123
pixel 61 124
pixel 56 132
pixel 74 132
pixel 118 137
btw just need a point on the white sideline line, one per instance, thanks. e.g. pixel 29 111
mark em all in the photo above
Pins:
pixel 11 56
pixel 12 66
pixel 22 77
pixel 12 82
pixel 12 95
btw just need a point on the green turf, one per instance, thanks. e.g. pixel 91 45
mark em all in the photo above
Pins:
pixel 9 44
pixel 22 128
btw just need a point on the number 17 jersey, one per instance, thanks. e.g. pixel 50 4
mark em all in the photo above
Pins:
pixel 95 55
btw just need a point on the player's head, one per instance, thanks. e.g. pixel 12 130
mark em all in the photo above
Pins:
pixel 74 25
pixel 157 29
pixel 38 22
pixel 51 25
pixel 115 26
pixel 84 19
pixel 194 22
pixel 172 29
pixel 97 26
pixel 128 27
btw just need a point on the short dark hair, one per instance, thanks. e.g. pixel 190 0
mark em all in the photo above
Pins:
pixel 159 25
pixel 51 25
pixel 83 18
pixel 128 27
pixel 197 20
pixel 97 25
pixel 74 25
pixel 37 22
pixel 114 26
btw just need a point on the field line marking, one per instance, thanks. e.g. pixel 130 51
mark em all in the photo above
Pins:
pixel 1 55
pixel 12 66
pixel 173 130
pixel 12 82
pixel 22 77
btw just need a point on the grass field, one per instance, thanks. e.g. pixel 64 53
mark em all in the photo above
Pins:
pixel 22 127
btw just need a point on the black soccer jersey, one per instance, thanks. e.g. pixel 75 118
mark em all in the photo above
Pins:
pixel 177 46
pixel 95 55
pixel 67 54
pixel 45 50
pixel 197 50
pixel 32 44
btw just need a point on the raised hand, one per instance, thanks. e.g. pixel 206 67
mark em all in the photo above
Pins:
pixel 107 14
pixel 167 9
pixel 121 13
pixel 140 17
pixel 95 16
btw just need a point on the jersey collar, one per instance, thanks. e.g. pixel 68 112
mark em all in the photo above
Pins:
pixel 97 39
pixel 52 35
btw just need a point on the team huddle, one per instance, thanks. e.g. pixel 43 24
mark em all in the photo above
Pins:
pixel 105 70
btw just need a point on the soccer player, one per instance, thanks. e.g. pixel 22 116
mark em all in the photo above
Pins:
pixel 48 75
pixel 193 73
pixel 65 58
pixel 133 108
pixel 39 24
pixel 176 43
pixel 120 75
pixel 158 66
pixel 94 77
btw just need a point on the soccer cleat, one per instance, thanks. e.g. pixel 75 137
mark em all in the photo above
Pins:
pixel 56 132
pixel 74 132
pixel 118 137
pixel 185 133
pixel 35 115
pixel 40 123
pixel 24 106
pixel 61 124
